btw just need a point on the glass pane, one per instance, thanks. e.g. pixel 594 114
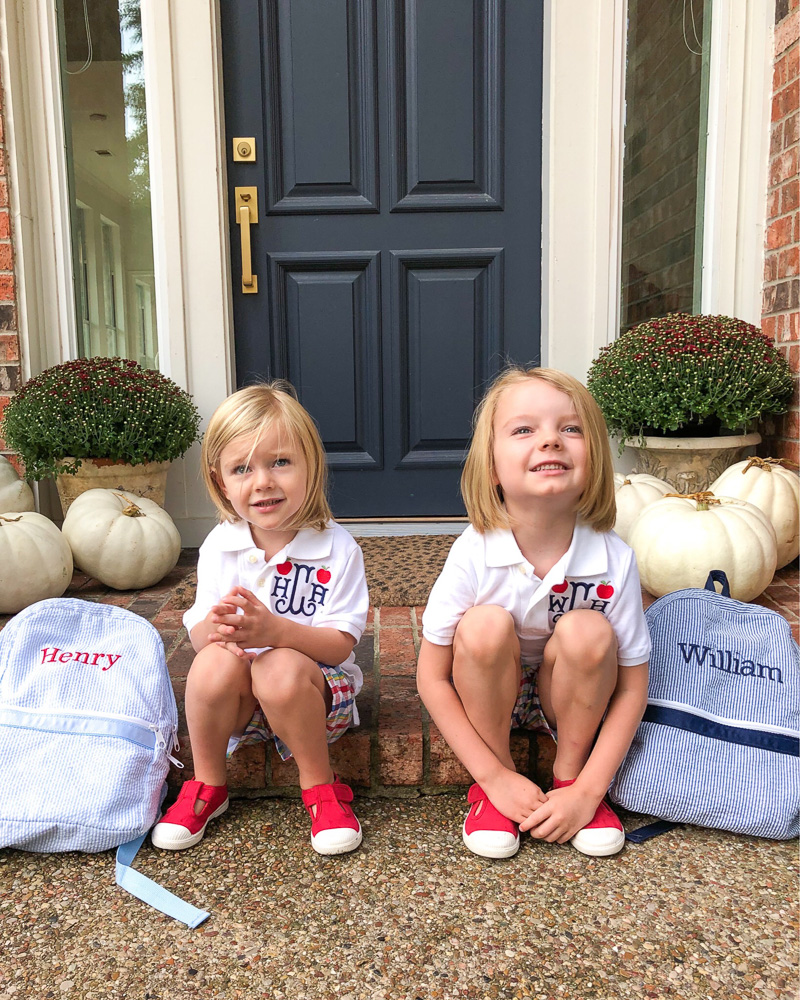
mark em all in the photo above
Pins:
pixel 105 119
pixel 666 91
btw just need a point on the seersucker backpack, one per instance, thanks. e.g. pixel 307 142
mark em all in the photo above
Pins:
pixel 87 725
pixel 720 739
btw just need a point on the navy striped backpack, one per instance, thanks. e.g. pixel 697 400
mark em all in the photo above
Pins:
pixel 720 739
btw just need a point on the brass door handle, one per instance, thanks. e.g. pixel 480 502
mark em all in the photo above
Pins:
pixel 246 201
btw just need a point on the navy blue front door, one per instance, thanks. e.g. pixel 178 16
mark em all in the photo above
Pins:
pixel 397 249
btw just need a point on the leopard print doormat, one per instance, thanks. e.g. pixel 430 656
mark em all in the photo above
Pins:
pixel 402 569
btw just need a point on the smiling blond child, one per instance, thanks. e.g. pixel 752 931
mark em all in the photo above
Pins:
pixel 536 619
pixel 281 603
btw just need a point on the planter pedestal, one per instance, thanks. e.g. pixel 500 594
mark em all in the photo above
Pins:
pixel 691 464
pixel 148 480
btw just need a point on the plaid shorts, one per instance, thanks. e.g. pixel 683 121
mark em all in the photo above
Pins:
pixel 527 713
pixel 339 720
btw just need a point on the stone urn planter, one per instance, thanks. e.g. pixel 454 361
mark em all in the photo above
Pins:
pixel 691 464
pixel 148 480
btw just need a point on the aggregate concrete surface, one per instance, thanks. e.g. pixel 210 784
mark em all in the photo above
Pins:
pixel 411 914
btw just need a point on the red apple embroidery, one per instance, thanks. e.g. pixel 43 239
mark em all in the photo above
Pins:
pixel 284 568
pixel 559 588
pixel 605 590
pixel 323 574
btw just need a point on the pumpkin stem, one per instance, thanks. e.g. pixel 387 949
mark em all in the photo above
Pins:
pixel 703 498
pixel 130 510
pixel 767 463
pixel 11 520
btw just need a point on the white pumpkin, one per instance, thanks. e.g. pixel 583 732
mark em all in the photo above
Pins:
pixel 124 541
pixel 15 494
pixel 35 560
pixel 634 492
pixel 679 540
pixel 775 491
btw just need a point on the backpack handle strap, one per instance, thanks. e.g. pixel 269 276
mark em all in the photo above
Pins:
pixel 718 576
pixel 151 892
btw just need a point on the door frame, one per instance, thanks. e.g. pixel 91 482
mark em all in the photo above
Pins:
pixel 584 49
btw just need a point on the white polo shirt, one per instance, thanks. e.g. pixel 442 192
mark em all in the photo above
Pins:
pixel 317 579
pixel 598 571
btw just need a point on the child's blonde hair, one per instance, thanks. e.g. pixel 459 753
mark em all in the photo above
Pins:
pixel 250 412
pixel 484 499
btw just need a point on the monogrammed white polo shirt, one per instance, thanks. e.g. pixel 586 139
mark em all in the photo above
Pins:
pixel 598 572
pixel 317 579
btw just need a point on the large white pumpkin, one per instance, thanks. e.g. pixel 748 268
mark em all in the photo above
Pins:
pixel 124 541
pixel 775 491
pixel 35 560
pixel 15 494
pixel 634 492
pixel 679 540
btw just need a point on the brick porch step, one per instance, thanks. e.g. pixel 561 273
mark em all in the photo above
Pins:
pixel 397 750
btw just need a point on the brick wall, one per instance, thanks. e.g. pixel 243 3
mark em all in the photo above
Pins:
pixel 9 340
pixel 780 317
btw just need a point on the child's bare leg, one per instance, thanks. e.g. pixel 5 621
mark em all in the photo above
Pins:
pixel 486 674
pixel 219 702
pixel 296 700
pixel 576 680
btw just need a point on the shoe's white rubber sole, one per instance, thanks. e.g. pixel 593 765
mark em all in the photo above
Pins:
pixel 339 841
pixel 172 837
pixel 490 843
pixel 601 842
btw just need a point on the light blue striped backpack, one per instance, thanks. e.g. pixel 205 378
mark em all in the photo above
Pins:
pixel 87 725
pixel 720 739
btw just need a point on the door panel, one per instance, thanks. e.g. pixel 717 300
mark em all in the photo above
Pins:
pixel 445 138
pixel 326 334
pixel 398 163
pixel 320 99
pixel 446 325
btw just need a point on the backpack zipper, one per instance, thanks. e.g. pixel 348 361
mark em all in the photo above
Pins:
pixel 161 742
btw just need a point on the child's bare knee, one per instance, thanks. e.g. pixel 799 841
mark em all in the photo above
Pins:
pixel 585 635
pixel 217 667
pixel 216 677
pixel 482 632
pixel 280 676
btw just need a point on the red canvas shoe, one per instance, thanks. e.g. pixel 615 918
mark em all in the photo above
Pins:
pixel 334 827
pixel 488 832
pixel 180 826
pixel 603 836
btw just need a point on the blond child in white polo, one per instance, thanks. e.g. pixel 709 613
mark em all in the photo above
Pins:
pixel 536 619
pixel 281 603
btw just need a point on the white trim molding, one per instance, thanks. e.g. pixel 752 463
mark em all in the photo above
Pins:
pixel 584 75
pixel 737 159
pixel 183 81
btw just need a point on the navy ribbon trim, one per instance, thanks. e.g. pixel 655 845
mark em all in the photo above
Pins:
pixel 776 742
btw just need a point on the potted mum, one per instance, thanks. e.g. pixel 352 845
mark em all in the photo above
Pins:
pixel 100 423
pixel 687 393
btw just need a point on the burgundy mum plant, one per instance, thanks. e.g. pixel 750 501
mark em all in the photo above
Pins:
pixel 691 376
pixel 98 408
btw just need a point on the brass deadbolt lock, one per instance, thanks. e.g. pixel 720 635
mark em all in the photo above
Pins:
pixel 244 150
